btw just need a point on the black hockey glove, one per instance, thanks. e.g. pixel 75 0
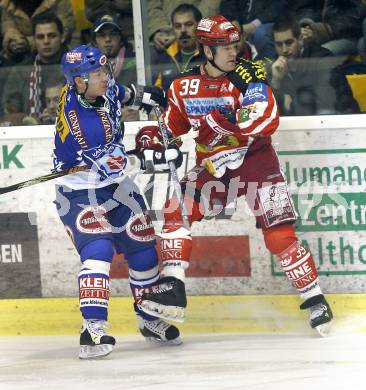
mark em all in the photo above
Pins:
pixel 145 97
pixel 157 160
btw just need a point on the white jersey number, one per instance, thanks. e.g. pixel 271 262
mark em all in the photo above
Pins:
pixel 190 87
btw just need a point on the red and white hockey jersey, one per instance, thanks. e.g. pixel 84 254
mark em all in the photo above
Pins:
pixel 245 90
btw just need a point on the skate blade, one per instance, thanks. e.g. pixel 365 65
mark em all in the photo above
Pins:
pixel 161 343
pixel 324 329
pixel 170 313
pixel 95 351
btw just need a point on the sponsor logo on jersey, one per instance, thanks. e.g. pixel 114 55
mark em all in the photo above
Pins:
pixel 140 228
pixel 202 106
pixel 93 220
pixel 256 92
pixel 211 86
pixel 106 123
pixel 76 129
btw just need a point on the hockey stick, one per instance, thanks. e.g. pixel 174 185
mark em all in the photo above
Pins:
pixel 172 168
pixel 42 179
pixel 50 176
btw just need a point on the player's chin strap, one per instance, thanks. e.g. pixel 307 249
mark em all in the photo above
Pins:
pixel 212 62
pixel 86 80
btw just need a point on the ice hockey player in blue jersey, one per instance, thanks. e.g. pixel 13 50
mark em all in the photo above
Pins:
pixel 101 208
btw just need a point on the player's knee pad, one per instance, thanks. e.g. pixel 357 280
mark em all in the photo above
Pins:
pixel 279 237
pixel 175 246
pixel 94 288
pixel 98 249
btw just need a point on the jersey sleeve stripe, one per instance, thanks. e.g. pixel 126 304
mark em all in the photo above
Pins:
pixel 267 124
pixel 258 125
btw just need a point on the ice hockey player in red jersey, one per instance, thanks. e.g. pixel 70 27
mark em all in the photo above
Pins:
pixel 232 105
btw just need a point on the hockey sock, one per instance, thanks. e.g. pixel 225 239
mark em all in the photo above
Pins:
pixel 94 289
pixel 175 249
pixel 296 260
pixel 143 274
pixel 299 267
pixel 96 257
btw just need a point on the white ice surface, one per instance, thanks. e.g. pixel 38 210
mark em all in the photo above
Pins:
pixel 212 362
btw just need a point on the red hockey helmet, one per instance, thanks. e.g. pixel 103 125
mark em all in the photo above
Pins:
pixel 216 30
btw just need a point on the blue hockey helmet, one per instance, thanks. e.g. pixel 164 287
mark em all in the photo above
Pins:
pixel 80 61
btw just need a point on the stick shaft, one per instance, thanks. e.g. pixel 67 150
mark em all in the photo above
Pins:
pixel 173 170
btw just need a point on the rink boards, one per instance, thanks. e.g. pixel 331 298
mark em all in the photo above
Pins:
pixel 323 159
pixel 205 315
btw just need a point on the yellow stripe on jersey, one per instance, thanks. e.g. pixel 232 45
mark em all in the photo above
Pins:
pixel 62 125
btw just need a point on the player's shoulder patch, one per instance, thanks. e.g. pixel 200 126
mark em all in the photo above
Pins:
pixel 246 72
pixel 62 126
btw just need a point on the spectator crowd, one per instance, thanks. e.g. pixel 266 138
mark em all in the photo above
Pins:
pixel 312 50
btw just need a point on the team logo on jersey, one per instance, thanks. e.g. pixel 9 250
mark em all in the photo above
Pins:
pixel 255 92
pixel 73 56
pixel 140 228
pixel 205 25
pixel 93 220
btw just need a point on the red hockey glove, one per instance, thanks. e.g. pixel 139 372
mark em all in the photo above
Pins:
pixel 215 127
pixel 149 137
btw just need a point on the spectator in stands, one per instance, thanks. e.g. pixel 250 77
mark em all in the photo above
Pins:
pixel 52 94
pixel 184 52
pixel 16 21
pixel 94 9
pixel 256 19
pixel 108 38
pixel 299 76
pixel 159 18
pixel 24 92
pixel 334 24
pixel 349 80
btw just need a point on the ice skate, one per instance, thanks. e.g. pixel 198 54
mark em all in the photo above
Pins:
pixel 158 331
pixel 320 314
pixel 94 342
pixel 167 300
